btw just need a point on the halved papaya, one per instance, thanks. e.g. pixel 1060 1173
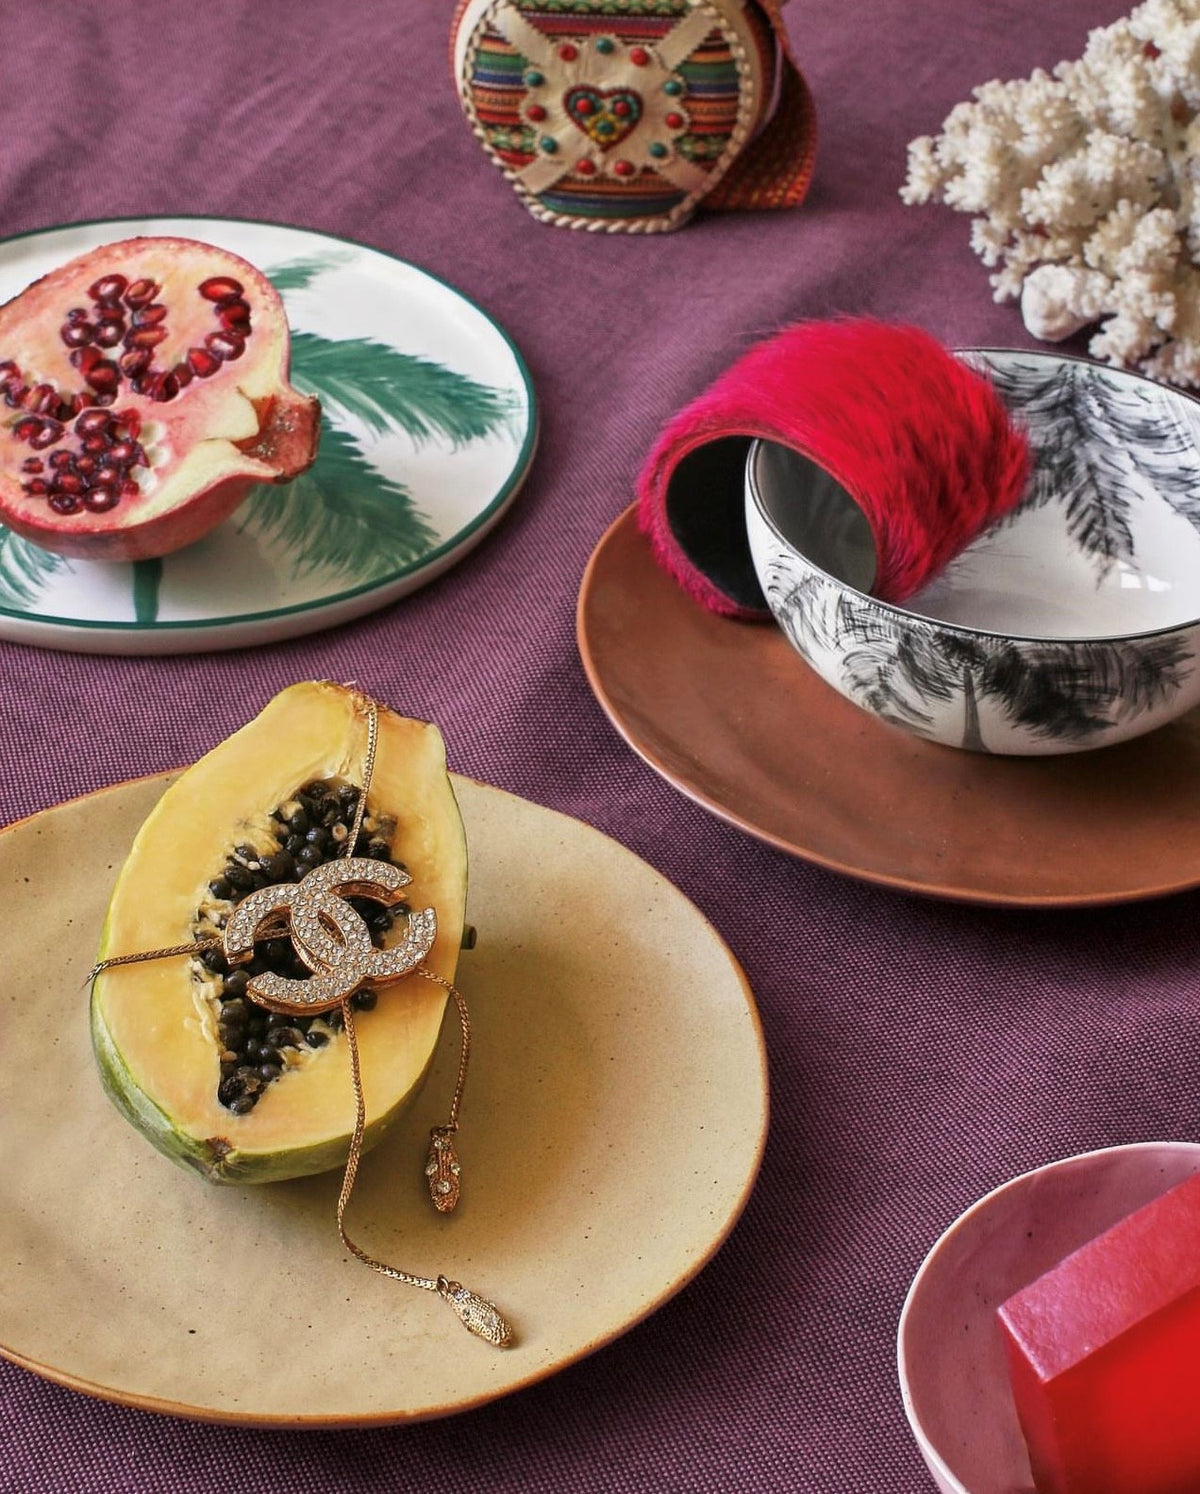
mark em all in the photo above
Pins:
pixel 161 1028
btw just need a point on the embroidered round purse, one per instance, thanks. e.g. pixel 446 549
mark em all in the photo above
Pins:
pixel 623 115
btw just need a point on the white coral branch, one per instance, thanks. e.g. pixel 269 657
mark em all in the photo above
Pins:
pixel 1058 300
pixel 1084 188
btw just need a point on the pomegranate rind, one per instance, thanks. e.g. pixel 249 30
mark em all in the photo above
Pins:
pixel 206 448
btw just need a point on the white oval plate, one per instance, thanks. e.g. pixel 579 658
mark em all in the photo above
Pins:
pixel 612 1127
pixel 429 429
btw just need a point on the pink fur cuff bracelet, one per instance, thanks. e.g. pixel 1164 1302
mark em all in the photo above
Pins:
pixel 919 440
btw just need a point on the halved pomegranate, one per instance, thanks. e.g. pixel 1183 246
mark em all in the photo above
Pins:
pixel 143 393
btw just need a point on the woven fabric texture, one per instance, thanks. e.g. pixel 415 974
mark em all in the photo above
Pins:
pixel 920 1053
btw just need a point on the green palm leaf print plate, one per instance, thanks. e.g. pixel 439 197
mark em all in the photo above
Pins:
pixel 428 428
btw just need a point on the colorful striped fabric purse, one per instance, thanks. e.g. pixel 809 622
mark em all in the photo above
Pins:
pixel 621 116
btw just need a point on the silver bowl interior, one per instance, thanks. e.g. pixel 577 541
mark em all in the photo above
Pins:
pixel 815 515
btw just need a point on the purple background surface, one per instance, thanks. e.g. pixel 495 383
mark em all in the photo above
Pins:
pixel 920 1053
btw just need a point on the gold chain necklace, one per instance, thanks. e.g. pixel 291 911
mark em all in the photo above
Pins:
pixel 332 941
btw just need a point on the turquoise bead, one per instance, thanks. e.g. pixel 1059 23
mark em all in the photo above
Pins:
pixel 549 144
pixel 658 149
pixel 605 44
pixel 673 86
pixel 534 79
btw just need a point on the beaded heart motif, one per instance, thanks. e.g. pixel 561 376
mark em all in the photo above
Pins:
pixel 605 115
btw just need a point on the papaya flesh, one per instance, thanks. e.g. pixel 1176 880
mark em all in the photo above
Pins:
pixel 155 1024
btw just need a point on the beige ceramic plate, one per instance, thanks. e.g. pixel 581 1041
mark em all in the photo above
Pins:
pixel 612 1130
pixel 732 716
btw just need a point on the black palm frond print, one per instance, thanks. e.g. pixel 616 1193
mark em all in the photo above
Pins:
pixel 1104 443
pixel 904 671
pixel 1089 475
pixel 1159 435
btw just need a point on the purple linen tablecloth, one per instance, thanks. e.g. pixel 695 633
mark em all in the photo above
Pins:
pixel 920 1053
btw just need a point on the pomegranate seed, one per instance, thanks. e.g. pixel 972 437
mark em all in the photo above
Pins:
pixel 225 345
pixel 14 394
pixel 129 423
pixel 8 367
pixel 78 314
pixel 94 445
pixel 41 399
pixel 32 464
pixel 51 431
pixel 135 361
pixel 104 399
pixel 25 429
pixel 141 293
pixel 109 476
pixel 95 422
pixel 125 453
pixel 145 337
pixel 100 500
pixel 86 465
pixel 109 334
pixel 75 334
pixel 110 314
pixel 103 376
pixel 234 316
pixel 182 374
pixel 201 363
pixel 64 503
pixel 167 387
pixel 220 288
pixel 68 482
pixel 65 410
pixel 149 316
pixel 85 358
pixel 61 461
pixel 37 487
pixel 108 288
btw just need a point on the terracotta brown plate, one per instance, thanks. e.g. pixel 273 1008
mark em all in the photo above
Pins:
pixel 612 1128
pixel 733 717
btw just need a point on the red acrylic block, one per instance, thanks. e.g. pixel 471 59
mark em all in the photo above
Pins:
pixel 1104 1355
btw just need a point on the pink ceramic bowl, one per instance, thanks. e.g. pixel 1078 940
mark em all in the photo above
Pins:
pixel 953 1375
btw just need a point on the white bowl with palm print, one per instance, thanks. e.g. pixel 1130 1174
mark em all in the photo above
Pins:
pixel 1072 623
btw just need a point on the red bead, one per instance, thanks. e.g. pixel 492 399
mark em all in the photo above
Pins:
pixel 621 108
pixel 567 52
pixel 639 56
pixel 535 112
pixel 584 106
pixel 585 168
pixel 674 121
pixel 623 168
